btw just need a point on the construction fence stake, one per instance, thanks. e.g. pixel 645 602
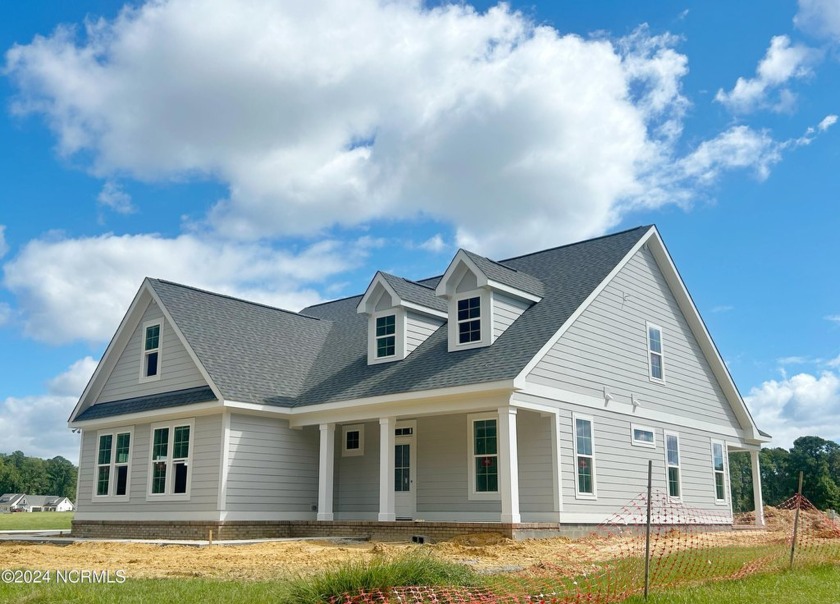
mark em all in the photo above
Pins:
pixel 647 528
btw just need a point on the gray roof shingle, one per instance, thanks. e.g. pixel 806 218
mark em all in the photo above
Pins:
pixel 189 396
pixel 507 275
pixel 411 291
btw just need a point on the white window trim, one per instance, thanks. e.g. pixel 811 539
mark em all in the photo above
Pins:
pixel 112 482
pixel 665 436
pixel 642 443
pixel 648 327
pixel 472 494
pixel 594 494
pixel 725 473
pixel 485 316
pixel 144 352
pixel 345 452
pixel 168 495
pixel 399 336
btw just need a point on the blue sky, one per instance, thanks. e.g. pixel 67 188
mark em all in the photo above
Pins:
pixel 284 153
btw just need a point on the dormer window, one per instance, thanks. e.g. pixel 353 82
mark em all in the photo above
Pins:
pixel 150 359
pixel 386 339
pixel 469 320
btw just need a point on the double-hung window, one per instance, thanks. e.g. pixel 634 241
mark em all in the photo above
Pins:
pixel 719 469
pixel 171 458
pixel 484 456
pixel 386 338
pixel 113 456
pixel 469 320
pixel 672 462
pixel 150 361
pixel 584 457
pixel 656 358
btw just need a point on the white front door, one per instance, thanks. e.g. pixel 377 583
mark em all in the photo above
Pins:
pixel 405 470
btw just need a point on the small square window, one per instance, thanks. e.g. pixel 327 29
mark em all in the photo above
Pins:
pixel 353 440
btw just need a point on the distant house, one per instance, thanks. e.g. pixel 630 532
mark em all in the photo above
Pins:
pixel 10 501
pixel 34 503
pixel 515 395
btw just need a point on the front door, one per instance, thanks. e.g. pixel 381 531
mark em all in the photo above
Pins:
pixel 405 470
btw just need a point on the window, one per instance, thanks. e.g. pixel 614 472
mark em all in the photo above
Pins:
pixel 642 436
pixel 672 462
pixel 386 340
pixel 169 477
pixel 584 457
pixel 150 361
pixel 484 456
pixel 719 469
pixel 469 320
pixel 656 360
pixel 353 440
pixel 113 457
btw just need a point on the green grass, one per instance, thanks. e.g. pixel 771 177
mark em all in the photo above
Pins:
pixel 23 521
pixel 417 568
pixel 816 585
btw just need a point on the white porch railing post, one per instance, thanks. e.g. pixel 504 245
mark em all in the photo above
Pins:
pixel 756 480
pixel 326 465
pixel 387 501
pixel 508 465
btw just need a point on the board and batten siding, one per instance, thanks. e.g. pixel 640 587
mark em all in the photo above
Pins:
pixel 606 346
pixel 418 328
pixel 506 310
pixel 177 369
pixel 272 468
pixel 204 485
pixel 356 477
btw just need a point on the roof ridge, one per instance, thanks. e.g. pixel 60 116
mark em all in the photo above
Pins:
pixel 499 262
pixel 234 298
pixel 408 280
pixel 574 243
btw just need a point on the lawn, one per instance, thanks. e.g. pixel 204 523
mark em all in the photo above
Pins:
pixel 30 521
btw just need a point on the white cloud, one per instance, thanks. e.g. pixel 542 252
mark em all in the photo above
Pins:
pixel 435 243
pixel 112 196
pixel 782 63
pixel 820 18
pixel 4 248
pixel 37 425
pixel 827 122
pixel 738 147
pixel 5 313
pixel 71 289
pixel 833 318
pixel 801 405
pixel 334 113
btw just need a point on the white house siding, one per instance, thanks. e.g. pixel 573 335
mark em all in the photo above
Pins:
pixel 356 478
pixel 204 486
pixel 506 310
pixel 177 369
pixel 442 478
pixel 418 328
pixel 607 347
pixel 536 486
pixel 272 468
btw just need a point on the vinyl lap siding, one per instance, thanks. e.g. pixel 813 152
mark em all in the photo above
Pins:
pixel 536 486
pixel 506 310
pixel 272 468
pixel 177 369
pixel 356 478
pixel 607 346
pixel 205 472
pixel 418 328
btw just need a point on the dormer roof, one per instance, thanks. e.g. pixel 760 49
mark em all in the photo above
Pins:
pixel 493 275
pixel 405 293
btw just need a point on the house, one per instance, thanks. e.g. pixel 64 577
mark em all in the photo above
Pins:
pixel 520 396
pixel 12 501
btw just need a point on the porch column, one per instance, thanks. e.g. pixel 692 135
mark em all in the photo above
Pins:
pixel 387 506
pixel 556 473
pixel 756 479
pixel 326 463
pixel 508 465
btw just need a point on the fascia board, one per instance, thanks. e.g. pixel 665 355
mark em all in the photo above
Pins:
pixel 154 415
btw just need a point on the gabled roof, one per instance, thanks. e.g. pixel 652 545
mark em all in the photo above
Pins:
pixel 507 275
pixel 10 497
pixel 152 402
pixel 411 291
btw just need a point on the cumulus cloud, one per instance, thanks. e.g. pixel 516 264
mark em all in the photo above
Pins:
pixel 820 18
pixel 435 243
pixel 334 113
pixel 112 196
pixel 50 277
pixel 37 425
pixel 782 63
pixel 801 405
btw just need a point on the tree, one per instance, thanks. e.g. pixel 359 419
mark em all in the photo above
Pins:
pixel 62 477
pixel 740 477
pixel 814 456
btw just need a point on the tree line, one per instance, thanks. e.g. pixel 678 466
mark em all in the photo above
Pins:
pixel 817 458
pixel 36 476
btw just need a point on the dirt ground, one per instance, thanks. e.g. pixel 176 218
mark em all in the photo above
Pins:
pixel 269 560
